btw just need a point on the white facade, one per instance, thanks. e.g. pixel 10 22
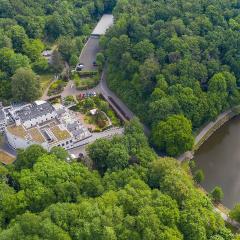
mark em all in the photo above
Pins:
pixel 49 127
pixel 17 142
pixel 2 126
pixel 2 121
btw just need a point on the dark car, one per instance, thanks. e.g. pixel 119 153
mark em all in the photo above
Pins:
pixel 95 64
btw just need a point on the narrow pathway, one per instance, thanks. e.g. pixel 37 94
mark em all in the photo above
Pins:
pixel 227 219
pixel 45 93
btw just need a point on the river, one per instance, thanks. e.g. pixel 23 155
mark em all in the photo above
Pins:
pixel 219 158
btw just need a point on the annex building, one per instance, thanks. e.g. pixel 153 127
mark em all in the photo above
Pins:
pixel 41 123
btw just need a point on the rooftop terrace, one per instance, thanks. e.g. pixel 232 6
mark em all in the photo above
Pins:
pixel 60 134
pixel 6 158
pixel 18 131
pixel 36 135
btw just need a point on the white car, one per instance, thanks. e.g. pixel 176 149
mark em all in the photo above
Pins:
pixel 80 66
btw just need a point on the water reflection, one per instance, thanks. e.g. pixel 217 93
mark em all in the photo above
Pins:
pixel 219 158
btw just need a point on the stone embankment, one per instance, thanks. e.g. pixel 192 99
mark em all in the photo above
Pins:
pixel 208 130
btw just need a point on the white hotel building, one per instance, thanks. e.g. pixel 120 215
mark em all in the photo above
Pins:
pixel 41 123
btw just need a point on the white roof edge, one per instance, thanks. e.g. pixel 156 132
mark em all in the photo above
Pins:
pixel 40 102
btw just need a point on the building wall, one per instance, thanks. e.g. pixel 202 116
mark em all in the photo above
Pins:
pixel 2 127
pixel 66 144
pixel 17 142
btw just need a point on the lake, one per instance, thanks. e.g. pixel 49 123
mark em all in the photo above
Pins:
pixel 219 158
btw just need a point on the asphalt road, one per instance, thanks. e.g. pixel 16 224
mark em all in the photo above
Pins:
pixel 87 57
pixel 89 53
pixel 106 134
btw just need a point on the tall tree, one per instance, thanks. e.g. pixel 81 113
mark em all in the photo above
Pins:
pixel 174 135
pixel 25 85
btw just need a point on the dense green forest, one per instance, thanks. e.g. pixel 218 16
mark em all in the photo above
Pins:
pixel 175 58
pixel 29 27
pixel 131 194
pixel 176 65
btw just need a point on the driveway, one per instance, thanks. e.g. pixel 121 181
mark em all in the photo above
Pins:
pixel 89 53
pixel 110 133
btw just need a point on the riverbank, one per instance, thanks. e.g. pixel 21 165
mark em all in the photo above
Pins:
pixel 202 136
pixel 208 130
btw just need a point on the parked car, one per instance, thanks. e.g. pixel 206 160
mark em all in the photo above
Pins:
pixel 80 66
pixel 80 96
pixel 95 64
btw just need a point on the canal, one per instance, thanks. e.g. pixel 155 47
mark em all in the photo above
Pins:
pixel 219 158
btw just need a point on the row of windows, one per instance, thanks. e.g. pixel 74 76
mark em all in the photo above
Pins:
pixel 63 144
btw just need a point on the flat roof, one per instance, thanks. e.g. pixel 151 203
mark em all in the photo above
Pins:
pixel 104 23
pixel 36 135
pixel 18 131
pixel 6 158
pixel 60 134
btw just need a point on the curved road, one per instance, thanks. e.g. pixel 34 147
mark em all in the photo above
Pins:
pixel 87 57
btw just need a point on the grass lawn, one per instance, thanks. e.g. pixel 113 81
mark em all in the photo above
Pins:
pixel 84 83
pixel 45 80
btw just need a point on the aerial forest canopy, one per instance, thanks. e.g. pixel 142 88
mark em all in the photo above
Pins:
pixel 175 58
pixel 176 65
pixel 29 27
pixel 131 194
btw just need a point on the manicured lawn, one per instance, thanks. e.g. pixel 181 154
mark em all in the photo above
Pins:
pixel 45 80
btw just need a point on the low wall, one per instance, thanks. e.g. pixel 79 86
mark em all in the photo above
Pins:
pixel 209 130
pixel 202 136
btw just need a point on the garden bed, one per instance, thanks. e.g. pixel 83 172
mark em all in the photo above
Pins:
pixel 104 117
pixel 56 87
pixel 85 82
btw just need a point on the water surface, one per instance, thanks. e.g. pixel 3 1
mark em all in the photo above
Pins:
pixel 219 158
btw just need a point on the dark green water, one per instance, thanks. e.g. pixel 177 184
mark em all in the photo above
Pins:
pixel 219 158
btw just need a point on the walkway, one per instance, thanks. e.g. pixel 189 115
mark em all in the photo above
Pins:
pixel 106 134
